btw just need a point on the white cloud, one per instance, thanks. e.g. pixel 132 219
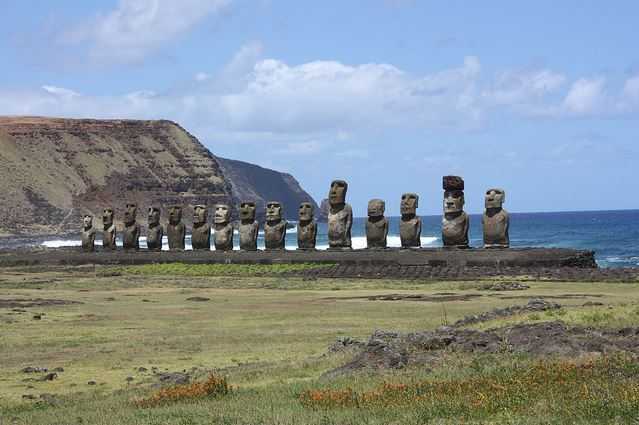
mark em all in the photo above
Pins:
pixel 520 87
pixel 586 96
pixel 297 107
pixel 136 28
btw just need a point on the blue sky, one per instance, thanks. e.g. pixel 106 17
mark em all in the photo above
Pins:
pixel 540 98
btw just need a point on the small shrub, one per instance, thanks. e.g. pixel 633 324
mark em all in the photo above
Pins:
pixel 214 386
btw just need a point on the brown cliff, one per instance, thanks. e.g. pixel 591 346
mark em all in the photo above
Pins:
pixel 55 170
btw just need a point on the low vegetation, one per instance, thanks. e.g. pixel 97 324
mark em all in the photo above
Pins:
pixel 122 330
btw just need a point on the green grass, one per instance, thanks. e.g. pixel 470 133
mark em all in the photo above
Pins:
pixel 269 335
pixel 180 269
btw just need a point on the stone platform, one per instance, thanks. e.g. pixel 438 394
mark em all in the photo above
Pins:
pixel 426 257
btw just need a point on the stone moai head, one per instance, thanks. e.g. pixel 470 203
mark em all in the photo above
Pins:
pixel 153 218
pixel 200 214
pixel 409 204
pixel 175 214
pixel 376 208
pixel 453 194
pixel 494 198
pixel 222 214
pixel 273 211
pixel 87 222
pixel 305 212
pixel 337 194
pixel 107 217
pixel 247 211
pixel 130 213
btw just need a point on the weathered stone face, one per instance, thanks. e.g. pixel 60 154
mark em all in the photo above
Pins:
pixel 200 215
pixel 275 227
pixel 155 232
pixel 130 213
pixel 376 225
pixel 175 214
pixel 410 225
pixel 88 234
pixel 222 214
pixel 494 198
pixel 409 204
pixel 108 234
pixel 153 217
pixel 87 222
pixel 273 211
pixel 496 220
pixel 453 201
pixel 247 211
pixel 306 227
pixel 305 212
pixel 107 217
pixel 131 233
pixel 376 208
pixel 176 230
pixel 201 233
pixel 455 223
pixel 337 193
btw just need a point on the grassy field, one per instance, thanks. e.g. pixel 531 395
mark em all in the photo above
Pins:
pixel 269 337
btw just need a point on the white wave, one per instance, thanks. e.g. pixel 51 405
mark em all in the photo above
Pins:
pixel 61 243
pixel 358 242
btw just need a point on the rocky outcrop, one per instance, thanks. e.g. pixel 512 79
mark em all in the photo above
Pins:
pixel 251 182
pixel 56 170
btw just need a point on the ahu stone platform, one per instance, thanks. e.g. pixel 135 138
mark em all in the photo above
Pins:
pixel 427 257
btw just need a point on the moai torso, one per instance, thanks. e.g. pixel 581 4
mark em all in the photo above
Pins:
pixel 201 233
pixel 455 231
pixel 495 221
pixel 176 230
pixel 223 237
pixel 455 222
pixel 88 234
pixel 248 228
pixel 376 225
pixel 108 229
pixel 155 232
pixel 340 217
pixel 306 227
pixel 275 227
pixel 410 225
pixel 131 233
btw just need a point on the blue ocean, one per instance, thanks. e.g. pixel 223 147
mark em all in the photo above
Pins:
pixel 613 235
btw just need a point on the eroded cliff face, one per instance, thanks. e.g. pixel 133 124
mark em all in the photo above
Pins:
pixel 251 182
pixel 53 171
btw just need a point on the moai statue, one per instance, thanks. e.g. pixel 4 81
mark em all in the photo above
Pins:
pixel 376 225
pixel 131 233
pixel 495 220
pixel 248 227
pixel 223 236
pixel 88 234
pixel 155 232
pixel 176 230
pixel 306 227
pixel 108 229
pixel 340 217
pixel 410 225
pixel 455 222
pixel 201 233
pixel 275 227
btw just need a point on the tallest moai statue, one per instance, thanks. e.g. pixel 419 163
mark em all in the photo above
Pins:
pixel 340 217
pixel 455 222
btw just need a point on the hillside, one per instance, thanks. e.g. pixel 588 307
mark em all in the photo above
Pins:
pixel 55 170
pixel 249 181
